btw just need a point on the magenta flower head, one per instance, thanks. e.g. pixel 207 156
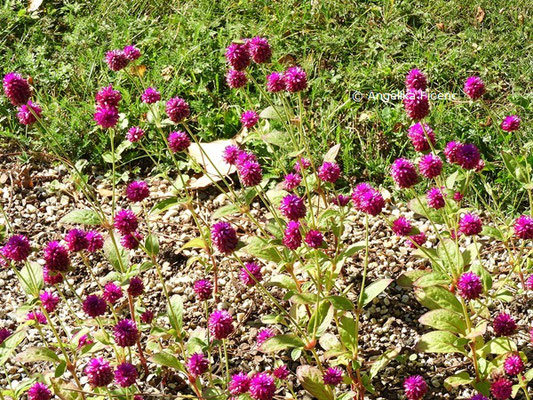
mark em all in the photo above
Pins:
pixel 416 240
pixel 220 324
pixel 415 79
pixel 523 227
pixel 28 113
pixel 529 283
pixel 147 317
pixel 474 87
pixel 262 387
pixel 501 388
pixel 302 164
pixel 504 325
pixel 230 154
pixel 295 79
pixel 126 374
pixel 4 334
pixel 116 60
pixel 329 172
pixel 367 199
pixel 236 79
pixel 333 376
pixel 458 196
pixel 106 117
pixel 136 287
pixel 430 166
pixel 131 52
pixel 16 88
pixel 250 173
pixel 150 96
pixel 251 269
pixel 39 391
pixel 513 365
pixel 341 200
pixel 177 109
pixel 112 293
pixel 259 49
pixel 203 289
pixel 480 166
pixel 314 239
pixel 239 384
pixel 17 248
pixel 131 241
pixel 51 277
pixel 126 333
pixel 292 238
pixel 94 306
pixel 468 156
pixel 478 396
pixel 451 151
pixel 470 224
pixel 416 104
pixel 404 173
pixel 263 335
pixel 292 207
pixel 134 134
pixel 99 372
pixel 108 97
pixel 237 56
pixel 435 198
pixel 401 226
pixel 37 316
pixel 49 301
pixel 224 237
pixel 126 221
pixel 249 118
pixel 275 82
pixel 197 364
pixel 56 257
pixel 281 372
pixel 469 285
pixel 178 141
pixel 83 341
pixel 291 181
pixel 137 191
pixel 419 139
pixel 511 123
pixel 95 241
pixel 76 240
pixel 415 387
pixel 244 157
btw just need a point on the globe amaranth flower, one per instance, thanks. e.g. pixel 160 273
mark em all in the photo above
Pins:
pixel 56 257
pixel 470 286
pixel 458 196
pixel 531 335
pixel 177 109
pixel 281 372
pixel 134 134
pixel 250 173
pixel 416 104
pixel 49 301
pixel 220 324
pixel 513 365
pixel 236 79
pixel 415 79
pixel 4 334
pixel 39 391
pixel 292 207
pixel 106 117
pixel 203 289
pixel 131 241
pixel 239 384
pixel 275 82
pixel 147 317
pixel 295 79
pixel 249 118
pixel 136 287
pixel 468 156
pixel 529 283
pixel 17 248
pixel 230 154
pixel 430 166
pixel 367 199
pixel 263 335
pixel 51 277
pixel 28 113
pixel 126 374
pixel 16 88
pixel 480 166
pixel 251 269
pixel 451 150
pixel 178 141
pixel 37 316
pixel 238 56
pixel 131 52
pixel 314 239
pixel 404 173
pixel 329 172
pixel 333 376
pixel 108 97
pixel 523 227
pixel 244 157
pixel 501 388
pixel 137 191
pixel 126 222
pixel 401 226
pixel 292 238
pixel 511 123
pixel 112 293
pixel 302 164
pixel 259 49
pixel 99 372
pixel 504 325
pixel 419 138
pixel 291 181
pixel 76 240
pixel 94 306
pixel 138 397
pixel 341 200
pixel 474 87
pixel 150 96
pixel 95 241
pixel 197 364
pixel 470 224
pixel 416 240
pixel 224 237
pixel 435 198
pixel 116 60
pixel 126 333
pixel 415 387
pixel 83 341
pixel 262 387
pixel 478 396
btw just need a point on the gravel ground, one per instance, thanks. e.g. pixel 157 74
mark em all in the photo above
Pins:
pixel 37 197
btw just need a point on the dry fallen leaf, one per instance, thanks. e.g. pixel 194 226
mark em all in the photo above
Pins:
pixel 480 15
pixel 138 70
pixel 440 26
pixel 210 156
pixel 33 5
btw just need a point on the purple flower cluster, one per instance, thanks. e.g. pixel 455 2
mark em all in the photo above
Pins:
pixel 292 238
pixel 28 113
pixel 415 387
pixel 112 293
pixel 419 138
pixel 415 79
pixel 430 166
pixel 95 241
pixel 37 316
pixel 470 286
pixel 474 87
pixel 16 88
pixel 416 104
pixel 134 134
pixel 126 222
pixel 49 301
pixel 136 287
pixel 76 240
pixel 119 59
pixel 263 335
pixel 94 306
pixel 4 334
pixel 435 198
pixel 17 248
pixel 404 173
pixel 150 96
pixel 177 109
pixel 107 101
pixel 504 325
pixel 56 257
pixel 250 274
pixel 333 376
pixel 239 384
pixel 470 224
pixel 314 239
pixel 511 123
pixel 249 119
pixel 197 364
pixel 220 324
pixel 224 237
pixel 291 181
pixel 262 387
pixel 292 207
pixel 281 372
pixel 126 374
pixel 523 227
pixel 329 172
pixel 39 391
pixel 513 365
pixel 401 226
pixel 126 333
pixel 367 199
pixel 203 289
pixel 501 388
pixel 99 372
pixel 137 191
pixel 416 240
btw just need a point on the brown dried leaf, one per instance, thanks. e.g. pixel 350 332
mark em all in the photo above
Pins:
pixel 138 70
pixel 288 59
pixel 33 5
pixel 440 26
pixel 480 15
pixel 211 159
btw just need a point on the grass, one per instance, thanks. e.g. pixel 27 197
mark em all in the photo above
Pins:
pixel 345 46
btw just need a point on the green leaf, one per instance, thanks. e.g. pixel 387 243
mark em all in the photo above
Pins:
pixel 374 289
pixel 351 250
pixel 348 333
pixel 450 256
pixel 304 298
pixel 282 281
pixel 260 248
pixel 228 209
pixel 459 379
pixel 382 361
pixel 175 313
pixel 432 279
pixel 167 360
pixel 492 232
pixel 9 345
pixel 152 245
pixel 275 137
pixel 271 113
pixel 439 342
pixel 275 196
pixel 529 375
pixel 196 243
pixel 82 217
pixel 499 345
pixel 167 204
pixel 282 342
pixel 34 354
pixel 435 297
pixel 312 381
pixel 321 318
pixel 341 303
pixel 119 259
pixel 407 279
pixel 419 206
pixel 31 279
pixel 486 279
pixel 482 387
pixel 444 320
